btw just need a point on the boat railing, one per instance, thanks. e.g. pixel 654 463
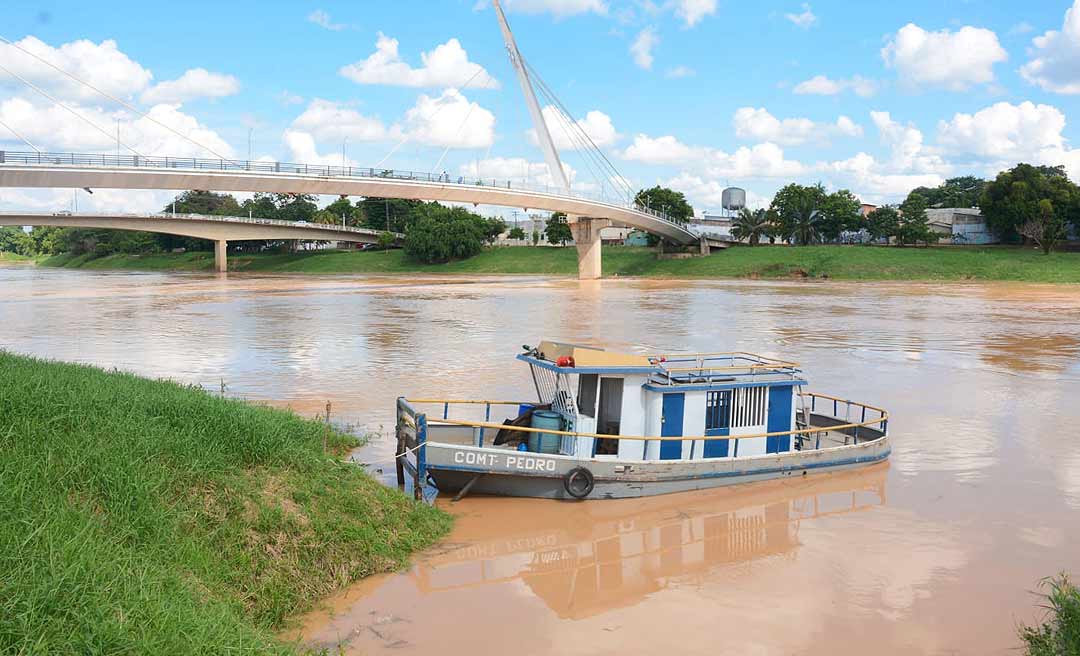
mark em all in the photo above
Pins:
pixel 412 427
pixel 710 366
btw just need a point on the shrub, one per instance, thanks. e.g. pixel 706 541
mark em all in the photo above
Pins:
pixel 443 234
pixel 1059 633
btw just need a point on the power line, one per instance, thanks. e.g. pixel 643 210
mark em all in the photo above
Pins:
pixel 110 97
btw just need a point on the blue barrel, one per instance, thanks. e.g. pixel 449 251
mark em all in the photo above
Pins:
pixel 545 442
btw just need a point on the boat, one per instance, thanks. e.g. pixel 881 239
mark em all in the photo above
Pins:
pixel 610 425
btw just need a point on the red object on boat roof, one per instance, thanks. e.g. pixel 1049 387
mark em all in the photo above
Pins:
pixel 565 361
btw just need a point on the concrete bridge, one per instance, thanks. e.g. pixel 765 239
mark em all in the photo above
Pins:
pixel 218 229
pixel 587 215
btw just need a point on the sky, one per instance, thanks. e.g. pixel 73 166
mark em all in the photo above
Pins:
pixel 875 97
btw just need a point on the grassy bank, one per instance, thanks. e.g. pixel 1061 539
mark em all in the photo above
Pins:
pixel 837 262
pixel 12 257
pixel 148 517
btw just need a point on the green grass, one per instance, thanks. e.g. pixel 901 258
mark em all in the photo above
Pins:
pixel 12 257
pixel 836 262
pixel 145 517
pixel 1059 632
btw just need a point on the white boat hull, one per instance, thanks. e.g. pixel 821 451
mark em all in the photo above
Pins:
pixel 522 474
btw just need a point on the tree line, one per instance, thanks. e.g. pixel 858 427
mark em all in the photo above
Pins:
pixel 1026 203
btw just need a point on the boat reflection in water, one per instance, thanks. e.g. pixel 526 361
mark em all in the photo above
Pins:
pixel 584 559
pixel 505 560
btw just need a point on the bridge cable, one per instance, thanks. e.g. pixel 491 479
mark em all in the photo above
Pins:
pixel 592 150
pixel 112 98
pixel 63 106
pixel 441 106
pixel 24 139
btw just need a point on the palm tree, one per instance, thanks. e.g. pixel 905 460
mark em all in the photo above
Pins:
pixel 751 225
pixel 805 225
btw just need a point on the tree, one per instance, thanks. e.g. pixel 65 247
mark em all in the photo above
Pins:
pixel 557 230
pixel 751 225
pixel 883 223
pixel 1046 229
pixel 441 234
pixel 493 227
pixel 204 202
pixel 386 240
pixel 14 240
pixel 964 191
pixel 798 211
pixel 393 214
pixel 536 237
pixel 914 225
pixel 517 233
pixel 839 214
pixel 1013 198
pixel 344 210
pixel 666 201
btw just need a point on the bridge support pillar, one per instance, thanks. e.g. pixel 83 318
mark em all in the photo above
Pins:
pixel 586 233
pixel 221 256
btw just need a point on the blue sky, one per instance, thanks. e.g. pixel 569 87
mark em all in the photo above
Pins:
pixel 696 94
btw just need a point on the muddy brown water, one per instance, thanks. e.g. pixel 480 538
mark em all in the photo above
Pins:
pixel 935 552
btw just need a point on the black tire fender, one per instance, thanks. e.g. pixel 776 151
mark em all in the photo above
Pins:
pixel 573 482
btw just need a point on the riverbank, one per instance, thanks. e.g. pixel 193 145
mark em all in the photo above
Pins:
pixel 149 517
pixel 8 258
pixel 832 262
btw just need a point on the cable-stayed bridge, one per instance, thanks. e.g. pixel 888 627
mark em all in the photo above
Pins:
pixel 588 215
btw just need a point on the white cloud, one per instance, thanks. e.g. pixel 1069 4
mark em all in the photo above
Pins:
pixel 302 149
pixel 1005 131
pixel 763 160
pixel 905 143
pixel 449 120
pixel 322 19
pixel 642 48
pixel 757 124
pixel 52 128
pixel 100 64
pixel 330 121
pixel 596 124
pixel 447 65
pixel 679 72
pixel 286 98
pixel 518 168
pixel 805 20
pixel 876 182
pixel 1055 63
pixel 951 60
pixel 194 83
pixel 693 11
pixel 558 8
pixel 661 150
pixel 821 85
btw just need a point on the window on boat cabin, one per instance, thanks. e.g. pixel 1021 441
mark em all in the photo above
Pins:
pixel 748 407
pixel 718 410
pixel 609 415
pixel 586 394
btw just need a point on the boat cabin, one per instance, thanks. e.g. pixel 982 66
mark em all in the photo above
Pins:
pixel 720 394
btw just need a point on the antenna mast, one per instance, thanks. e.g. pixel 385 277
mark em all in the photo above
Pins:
pixel 543 135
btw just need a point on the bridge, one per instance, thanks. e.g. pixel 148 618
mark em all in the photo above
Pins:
pixel 218 229
pixel 587 215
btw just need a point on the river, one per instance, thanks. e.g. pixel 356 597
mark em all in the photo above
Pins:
pixel 936 552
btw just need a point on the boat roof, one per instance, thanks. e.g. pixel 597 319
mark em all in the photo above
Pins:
pixel 663 369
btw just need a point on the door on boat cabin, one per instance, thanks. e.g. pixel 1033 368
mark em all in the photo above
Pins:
pixel 717 423
pixel 671 425
pixel 608 416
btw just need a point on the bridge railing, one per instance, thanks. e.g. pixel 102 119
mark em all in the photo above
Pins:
pixel 335 227
pixel 320 170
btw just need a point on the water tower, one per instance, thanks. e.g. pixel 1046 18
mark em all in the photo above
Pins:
pixel 733 199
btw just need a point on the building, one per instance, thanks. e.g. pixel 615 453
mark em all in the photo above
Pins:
pixel 712 225
pixel 960 225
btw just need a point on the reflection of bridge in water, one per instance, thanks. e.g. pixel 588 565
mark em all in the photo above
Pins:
pixel 613 554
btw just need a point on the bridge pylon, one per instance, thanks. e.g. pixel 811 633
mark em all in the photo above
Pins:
pixel 586 232
pixel 221 255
